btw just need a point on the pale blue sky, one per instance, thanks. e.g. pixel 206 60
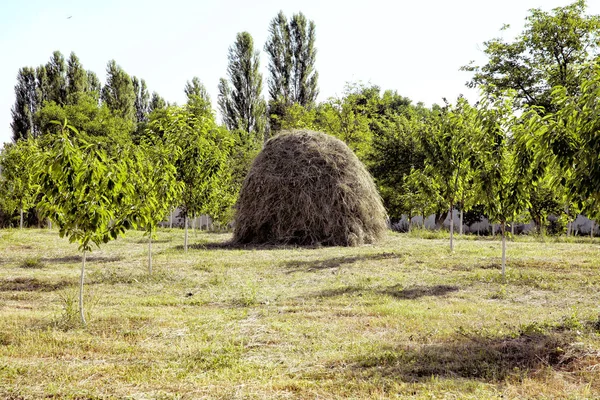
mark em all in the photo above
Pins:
pixel 414 47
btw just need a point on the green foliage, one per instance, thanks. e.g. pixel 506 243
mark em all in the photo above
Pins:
pixel 570 135
pixel 292 55
pixel 76 79
pixel 240 100
pixel 503 162
pixel 548 53
pixel 202 164
pixel 448 141
pixel 142 100
pixel 17 182
pixel 95 123
pixel 154 178
pixel 118 93
pixel 85 191
pixel 25 105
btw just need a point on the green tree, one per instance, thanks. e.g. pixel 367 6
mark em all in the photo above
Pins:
pixel 156 103
pixel 503 165
pixel 549 52
pixel 76 79
pixel 240 100
pixel 25 105
pixel 56 72
pixel 118 93
pixel 203 164
pixel 570 136
pixel 16 176
pixel 156 188
pixel 86 192
pixel 292 56
pixel 142 100
pixel 198 99
pixel 447 146
pixel 94 122
pixel 94 84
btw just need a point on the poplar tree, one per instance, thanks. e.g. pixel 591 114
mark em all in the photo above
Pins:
pixel 76 79
pixel 292 74
pixel 56 71
pixel 118 92
pixel 25 105
pixel 240 100
pixel 142 99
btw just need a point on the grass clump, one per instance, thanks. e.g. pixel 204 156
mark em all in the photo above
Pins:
pixel 32 263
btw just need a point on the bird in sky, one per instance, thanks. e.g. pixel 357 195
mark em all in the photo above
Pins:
pixel 69 17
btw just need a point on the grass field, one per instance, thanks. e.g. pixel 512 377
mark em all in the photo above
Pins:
pixel 402 319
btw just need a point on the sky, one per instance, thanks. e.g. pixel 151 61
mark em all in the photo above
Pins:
pixel 413 47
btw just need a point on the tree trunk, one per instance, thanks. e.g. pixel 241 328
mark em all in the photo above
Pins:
pixel 150 253
pixel 409 223
pixel 21 223
pixel 592 229
pixel 461 220
pixel 81 279
pixel 493 230
pixel 171 220
pixel 503 249
pixel 185 238
pixel 49 224
pixel 193 224
pixel 451 228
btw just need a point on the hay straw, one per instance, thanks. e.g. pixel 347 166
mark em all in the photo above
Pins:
pixel 308 188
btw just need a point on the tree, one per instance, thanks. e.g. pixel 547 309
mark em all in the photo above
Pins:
pixel 118 92
pixel 25 105
pixel 56 71
pixel 503 164
pixel 16 177
pixel 570 136
pixel 156 189
pixel 86 192
pixel 202 166
pixel 549 52
pixel 240 100
pixel 76 79
pixel 142 100
pixel 94 84
pixel 292 55
pixel 94 122
pixel 447 146
pixel 198 99
pixel 156 103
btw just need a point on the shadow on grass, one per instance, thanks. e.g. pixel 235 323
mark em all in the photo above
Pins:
pixel 333 263
pixel 472 357
pixel 77 259
pixel 396 291
pixel 32 285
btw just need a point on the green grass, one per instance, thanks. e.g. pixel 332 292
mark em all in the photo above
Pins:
pixel 402 319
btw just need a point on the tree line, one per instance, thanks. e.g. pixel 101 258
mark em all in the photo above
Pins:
pixel 425 160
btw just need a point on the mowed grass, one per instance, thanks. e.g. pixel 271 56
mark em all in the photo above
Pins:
pixel 402 319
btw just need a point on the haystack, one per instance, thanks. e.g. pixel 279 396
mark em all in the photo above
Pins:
pixel 308 188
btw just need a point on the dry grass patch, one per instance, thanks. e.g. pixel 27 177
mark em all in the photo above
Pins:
pixel 402 319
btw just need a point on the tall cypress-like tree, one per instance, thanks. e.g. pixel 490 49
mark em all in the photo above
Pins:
pixel 292 74
pixel 240 100
pixel 56 71
pixel 77 79
pixel 142 99
pixel 156 103
pixel 198 99
pixel 118 93
pixel 25 105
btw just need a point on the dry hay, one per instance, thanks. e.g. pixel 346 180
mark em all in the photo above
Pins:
pixel 308 188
